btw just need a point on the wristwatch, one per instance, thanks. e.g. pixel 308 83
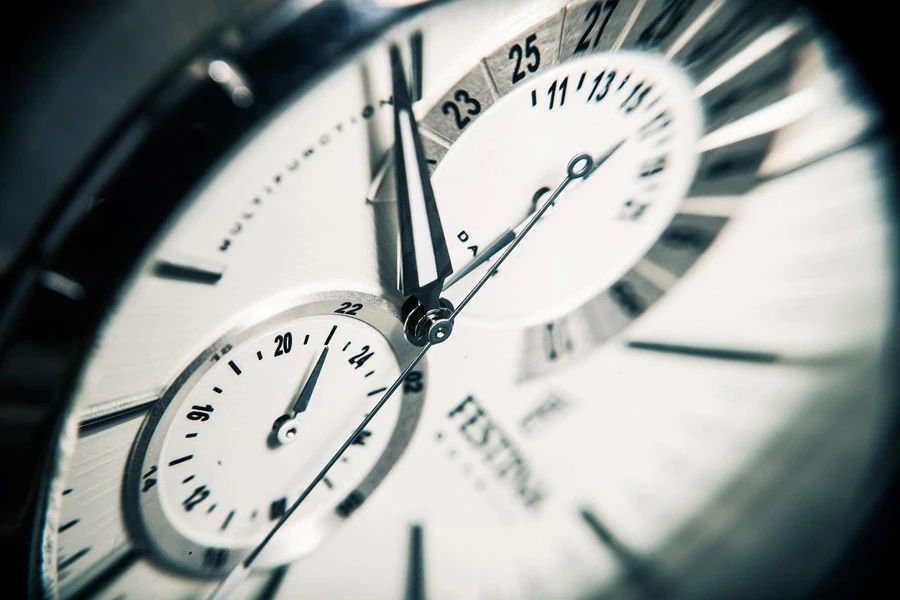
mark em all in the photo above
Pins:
pixel 448 299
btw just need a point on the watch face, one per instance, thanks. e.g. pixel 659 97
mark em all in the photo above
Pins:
pixel 466 299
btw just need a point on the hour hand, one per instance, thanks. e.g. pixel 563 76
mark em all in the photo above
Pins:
pixel 285 428
pixel 306 392
pixel 424 258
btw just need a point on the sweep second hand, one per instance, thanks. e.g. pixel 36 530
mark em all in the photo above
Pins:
pixel 580 167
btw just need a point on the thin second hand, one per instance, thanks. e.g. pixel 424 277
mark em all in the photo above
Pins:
pixel 571 175
pixel 242 570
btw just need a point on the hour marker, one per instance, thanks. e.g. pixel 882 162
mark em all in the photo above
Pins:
pixel 277 509
pixel 857 139
pixel 187 479
pixel 227 520
pixel 375 392
pixel 637 567
pixel 103 412
pixel 63 564
pixel 693 25
pixel 386 165
pixel 369 373
pixel 68 525
pixel 306 340
pixel 270 590
pixel 217 390
pixel 259 355
pixel 655 274
pixel 415 572
pixel 710 206
pixel 557 340
pixel 328 483
pixel 330 335
pixel 711 353
pixel 110 571
pixel 600 530
pixel 191 435
pixel 62 285
pixel 178 461
pixel 416 52
pixel 360 440
pixel 533 97
pixel 234 367
pixel 189 270
pixel 769 119
pixel 764 46
pixel 347 345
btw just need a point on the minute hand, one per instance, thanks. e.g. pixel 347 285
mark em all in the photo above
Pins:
pixel 510 235
pixel 424 258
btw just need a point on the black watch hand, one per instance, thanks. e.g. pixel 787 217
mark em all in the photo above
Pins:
pixel 285 427
pixel 424 258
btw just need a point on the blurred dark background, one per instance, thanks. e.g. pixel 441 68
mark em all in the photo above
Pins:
pixel 73 69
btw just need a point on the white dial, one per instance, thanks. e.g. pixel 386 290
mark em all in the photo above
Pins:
pixel 717 288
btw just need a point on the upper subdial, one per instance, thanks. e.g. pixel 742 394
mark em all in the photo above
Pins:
pixel 635 111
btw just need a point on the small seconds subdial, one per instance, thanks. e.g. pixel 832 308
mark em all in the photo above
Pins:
pixel 249 424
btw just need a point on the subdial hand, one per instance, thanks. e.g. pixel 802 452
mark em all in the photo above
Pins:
pixel 510 235
pixel 286 427
pixel 424 258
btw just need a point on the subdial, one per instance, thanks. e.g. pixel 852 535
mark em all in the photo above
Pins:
pixel 250 423
pixel 635 115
